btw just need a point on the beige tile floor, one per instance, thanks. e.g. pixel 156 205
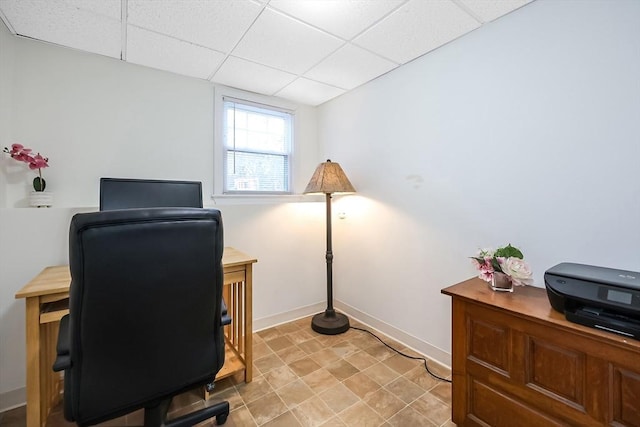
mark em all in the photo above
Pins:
pixel 302 378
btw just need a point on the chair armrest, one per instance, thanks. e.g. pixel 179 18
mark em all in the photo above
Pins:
pixel 226 319
pixel 62 363
pixel 63 359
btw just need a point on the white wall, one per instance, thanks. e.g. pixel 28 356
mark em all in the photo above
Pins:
pixel 6 77
pixel 526 131
pixel 95 116
pixel 30 239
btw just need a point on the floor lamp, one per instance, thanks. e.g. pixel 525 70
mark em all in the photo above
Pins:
pixel 329 178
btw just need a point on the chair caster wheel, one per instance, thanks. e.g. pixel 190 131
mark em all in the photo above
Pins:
pixel 221 419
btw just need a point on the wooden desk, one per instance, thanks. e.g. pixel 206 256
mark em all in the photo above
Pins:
pixel 47 300
pixel 516 361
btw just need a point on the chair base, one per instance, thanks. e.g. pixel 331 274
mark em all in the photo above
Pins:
pixel 330 323
pixel 156 416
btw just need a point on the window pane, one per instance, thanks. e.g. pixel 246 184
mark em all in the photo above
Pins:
pixel 256 172
pixel 268 134
pixel 257 143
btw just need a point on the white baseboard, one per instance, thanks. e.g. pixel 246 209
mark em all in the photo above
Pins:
pixel 13 399
pixel 434 353
pixel 288 316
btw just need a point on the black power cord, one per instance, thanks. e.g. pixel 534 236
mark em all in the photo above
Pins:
pixel 403 354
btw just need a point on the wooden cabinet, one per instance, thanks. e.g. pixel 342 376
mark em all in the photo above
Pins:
pixel 518 362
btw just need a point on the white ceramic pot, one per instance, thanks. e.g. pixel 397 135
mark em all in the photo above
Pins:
pixel 41 199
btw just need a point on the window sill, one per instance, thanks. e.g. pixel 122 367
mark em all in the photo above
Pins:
pixel 266 199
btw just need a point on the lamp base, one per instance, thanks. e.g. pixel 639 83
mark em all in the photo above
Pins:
pixel 330 323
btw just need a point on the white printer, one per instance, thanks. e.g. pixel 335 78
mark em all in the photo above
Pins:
pixel 598 297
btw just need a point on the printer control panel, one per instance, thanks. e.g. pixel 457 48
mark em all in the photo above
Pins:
pixel 618 296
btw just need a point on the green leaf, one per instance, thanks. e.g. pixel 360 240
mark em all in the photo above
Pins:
pixel 39 184
pixel 508 252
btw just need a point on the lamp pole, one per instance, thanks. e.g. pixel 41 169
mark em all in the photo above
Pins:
pixel 330 322
pixel 329 257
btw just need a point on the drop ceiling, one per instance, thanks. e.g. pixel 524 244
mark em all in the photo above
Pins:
pixel 307 51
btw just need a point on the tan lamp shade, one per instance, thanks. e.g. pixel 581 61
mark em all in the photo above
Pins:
pixel 329 178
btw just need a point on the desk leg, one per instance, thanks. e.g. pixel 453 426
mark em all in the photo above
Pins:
pixel 50 382
pixel 248 324
pixel 34 408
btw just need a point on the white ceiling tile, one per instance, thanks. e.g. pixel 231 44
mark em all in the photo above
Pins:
pixel 308 92
pixel 488 10
pixel 417 28
pixel 57 22
pixel 343 18
pixel 284 43
pixel 166 53
pixel 214 24
pixel 349 67
pixel 109 8
pixel 253 77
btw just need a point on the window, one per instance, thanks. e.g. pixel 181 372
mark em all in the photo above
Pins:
pixel 256 148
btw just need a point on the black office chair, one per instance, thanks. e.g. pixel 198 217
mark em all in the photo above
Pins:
pixel 144 320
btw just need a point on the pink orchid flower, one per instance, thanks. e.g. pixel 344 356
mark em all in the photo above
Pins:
pixel 24 157
pixel 21 154
pixel 16 148
pixel 37 162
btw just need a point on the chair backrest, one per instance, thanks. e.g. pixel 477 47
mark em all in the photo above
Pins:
pixel 144 307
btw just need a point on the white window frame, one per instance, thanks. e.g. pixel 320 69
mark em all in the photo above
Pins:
pixel 219 195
